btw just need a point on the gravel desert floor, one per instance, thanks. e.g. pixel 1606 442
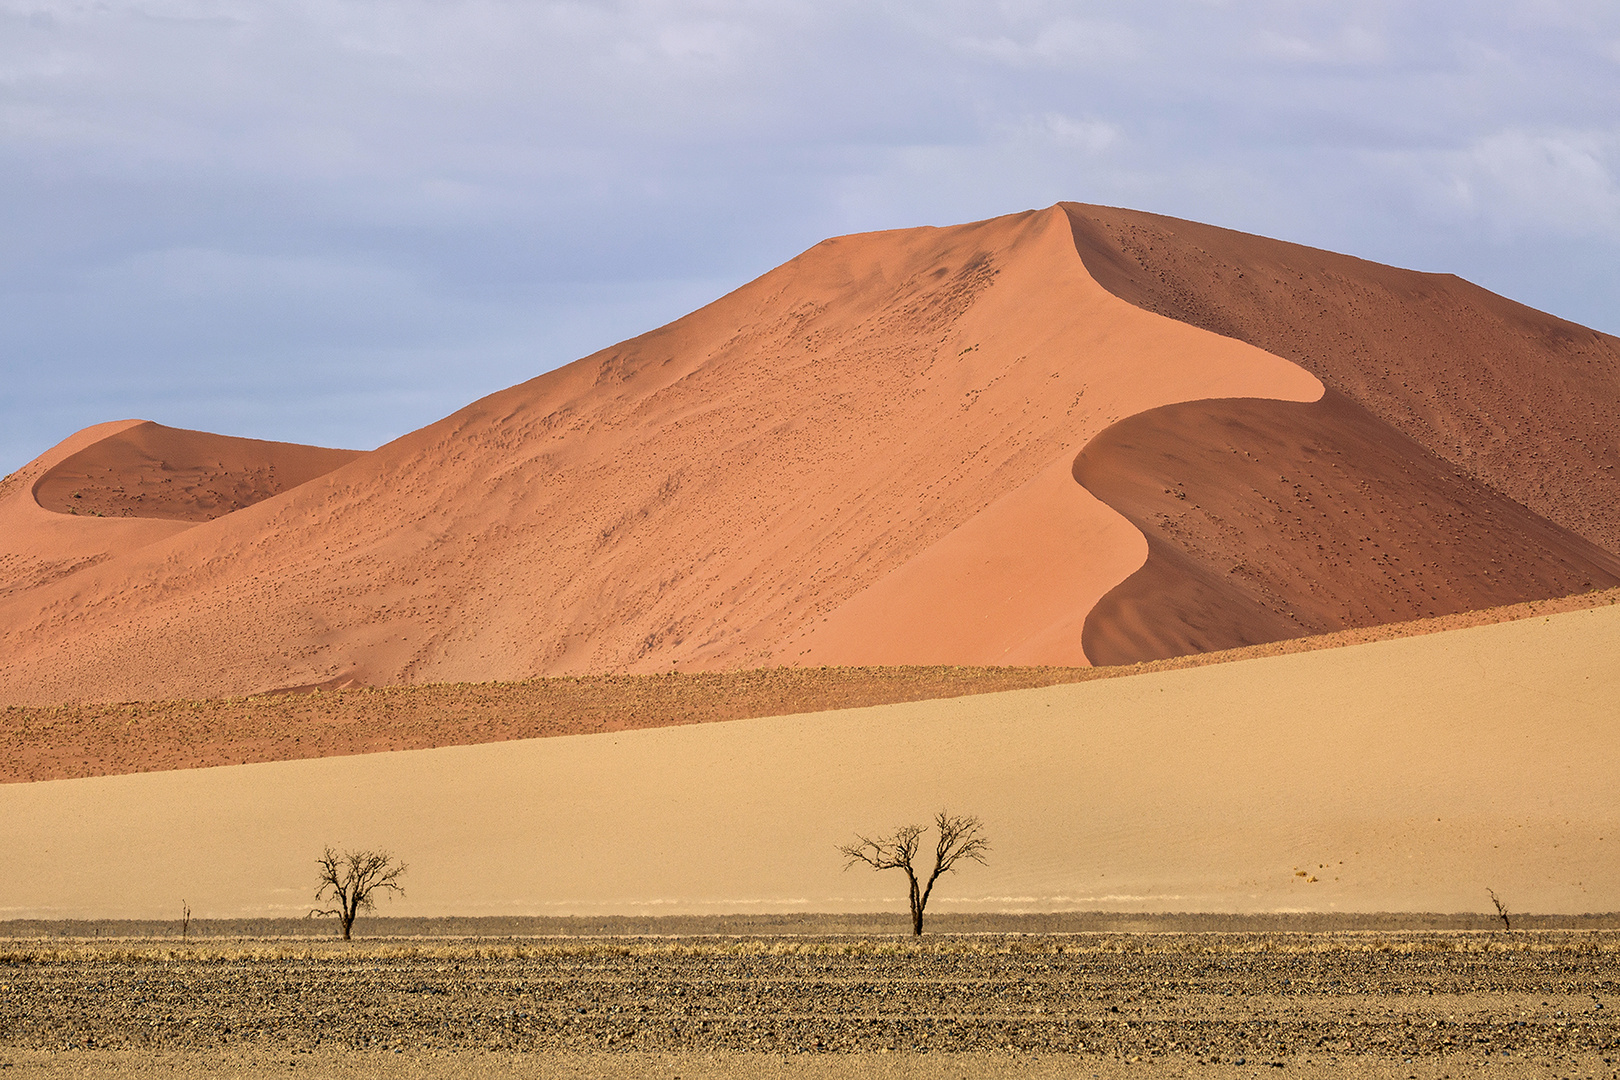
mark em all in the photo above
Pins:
pixel 1400 1004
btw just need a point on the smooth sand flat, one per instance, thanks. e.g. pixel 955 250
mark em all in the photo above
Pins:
pixel 1408 774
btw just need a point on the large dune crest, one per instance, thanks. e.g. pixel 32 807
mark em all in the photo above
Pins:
pixel 1522 401
pixel 869 455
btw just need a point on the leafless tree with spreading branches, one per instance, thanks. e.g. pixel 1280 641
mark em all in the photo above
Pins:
pixel 348 880
pixel 959 838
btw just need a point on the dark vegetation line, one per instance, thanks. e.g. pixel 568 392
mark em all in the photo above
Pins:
pixel 806 924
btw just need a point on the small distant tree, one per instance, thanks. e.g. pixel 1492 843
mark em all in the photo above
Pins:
pixel 959 838
pixel 1501 909
pixel 348 881
pixel 185 919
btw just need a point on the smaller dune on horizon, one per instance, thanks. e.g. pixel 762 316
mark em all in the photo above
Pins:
pixel 1066 437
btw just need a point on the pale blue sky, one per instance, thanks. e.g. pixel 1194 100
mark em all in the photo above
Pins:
pixel 334 221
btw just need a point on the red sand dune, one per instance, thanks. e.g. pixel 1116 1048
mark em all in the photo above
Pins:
pixel 148 470
pixel 866 456
pixel 117 487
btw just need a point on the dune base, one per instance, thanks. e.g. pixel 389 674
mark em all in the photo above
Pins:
pixel 1408 774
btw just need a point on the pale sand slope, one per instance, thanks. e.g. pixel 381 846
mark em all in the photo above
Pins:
pixel 1405 774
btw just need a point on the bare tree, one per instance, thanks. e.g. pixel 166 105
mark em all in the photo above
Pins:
pixel 185 919
pixel 348 880
pixel 1501 909
pixel 959 838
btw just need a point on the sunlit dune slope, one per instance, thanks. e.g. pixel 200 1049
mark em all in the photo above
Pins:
pixel 889 418
pixel 151 471
pixel 1408 774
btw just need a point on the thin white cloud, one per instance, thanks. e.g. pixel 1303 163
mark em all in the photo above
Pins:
pixel 1518 181
pixel 1091 136
pixel 1347 45
pixel 1063 42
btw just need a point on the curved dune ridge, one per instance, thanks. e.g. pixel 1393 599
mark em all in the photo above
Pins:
pixel 148 470
pixel 1522 401
pixel 1269 520
pixel 869 456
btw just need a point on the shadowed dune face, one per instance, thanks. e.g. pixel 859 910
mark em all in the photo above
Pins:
pixel 151 471
pixel 1268 520
pixel 1522 401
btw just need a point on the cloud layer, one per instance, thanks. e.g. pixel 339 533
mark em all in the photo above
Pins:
pixel 335 221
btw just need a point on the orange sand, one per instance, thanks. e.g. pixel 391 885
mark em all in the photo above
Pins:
pixel 865 456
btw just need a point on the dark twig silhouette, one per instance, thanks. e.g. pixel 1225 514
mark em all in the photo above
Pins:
pixel 1501 909
pixel 959 838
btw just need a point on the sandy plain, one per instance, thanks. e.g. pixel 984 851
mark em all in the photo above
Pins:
pixel 1408 774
